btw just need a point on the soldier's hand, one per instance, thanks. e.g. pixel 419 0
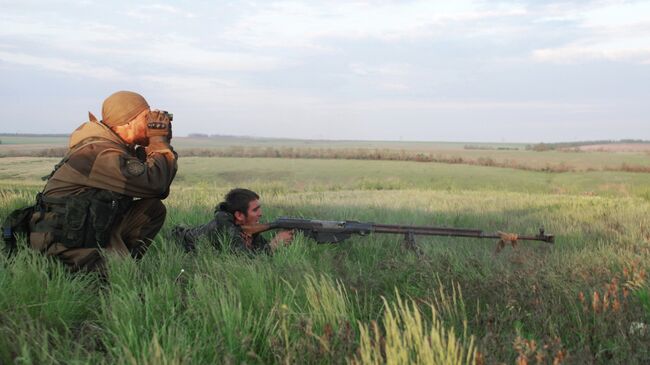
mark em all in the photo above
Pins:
pixel 158 124
pixel 285 237
pixel 280 239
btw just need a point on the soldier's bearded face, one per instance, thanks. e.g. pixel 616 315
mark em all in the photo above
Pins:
pixel 254 212
pixel 134 132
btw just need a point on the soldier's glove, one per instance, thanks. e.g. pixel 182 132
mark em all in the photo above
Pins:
pixel 159 124
pixel 159 132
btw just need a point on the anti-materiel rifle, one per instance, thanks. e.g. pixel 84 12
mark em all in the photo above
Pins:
pixel 337 231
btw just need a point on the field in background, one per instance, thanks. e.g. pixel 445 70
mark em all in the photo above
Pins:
pixel 230 141
pixel 584 300
pixel 624 157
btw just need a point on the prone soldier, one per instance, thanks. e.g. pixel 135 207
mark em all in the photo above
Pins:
pixel 241 207
pixel 106 192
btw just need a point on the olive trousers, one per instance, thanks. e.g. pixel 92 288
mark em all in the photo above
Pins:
pixel 132 235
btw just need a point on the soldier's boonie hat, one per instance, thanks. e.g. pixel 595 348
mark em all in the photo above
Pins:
pixel 121 107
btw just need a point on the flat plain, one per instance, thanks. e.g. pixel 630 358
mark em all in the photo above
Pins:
pixel 584 299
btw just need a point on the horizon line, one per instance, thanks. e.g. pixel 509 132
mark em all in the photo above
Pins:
pixel 209 136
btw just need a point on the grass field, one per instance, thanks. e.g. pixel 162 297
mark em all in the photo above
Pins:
pixel 583 300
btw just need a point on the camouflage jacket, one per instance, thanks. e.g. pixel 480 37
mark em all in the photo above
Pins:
pixel 102 160
pixel 222 229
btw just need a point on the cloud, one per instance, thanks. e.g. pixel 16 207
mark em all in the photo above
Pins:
pixel 576 54
pixel 615 31
pixel 61 65
pixel 151 12
pixel 128 48
pixel 466 105
pixel 61 30
pixel 306 25
pixel 386 69
pixel 394 86
pixel 616 13
pixel 227 92
pixel 390 77
pixel 187 55
pixel 628 43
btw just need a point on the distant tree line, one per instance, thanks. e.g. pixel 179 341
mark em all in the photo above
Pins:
pixel 564 145
pixel 489 148
pixel 225 136
pixel 34 134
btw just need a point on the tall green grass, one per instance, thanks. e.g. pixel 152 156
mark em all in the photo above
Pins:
pixel 460 302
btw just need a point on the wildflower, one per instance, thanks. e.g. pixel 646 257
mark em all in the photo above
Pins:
pixel 613 287
pixel 595 303
pixel 559 357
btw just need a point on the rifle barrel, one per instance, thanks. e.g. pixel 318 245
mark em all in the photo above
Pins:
pixel 451 232
pixel 424 230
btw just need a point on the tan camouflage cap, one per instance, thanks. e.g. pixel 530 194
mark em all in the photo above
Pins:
pixel 121 107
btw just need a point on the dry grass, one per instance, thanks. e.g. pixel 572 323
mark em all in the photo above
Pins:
pixel 407 338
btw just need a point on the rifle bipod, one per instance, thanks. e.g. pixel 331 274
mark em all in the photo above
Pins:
pixel 410 244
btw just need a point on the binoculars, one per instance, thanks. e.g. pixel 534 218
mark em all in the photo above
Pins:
pixel 168 115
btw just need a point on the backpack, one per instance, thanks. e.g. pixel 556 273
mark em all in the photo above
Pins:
pixel 16 223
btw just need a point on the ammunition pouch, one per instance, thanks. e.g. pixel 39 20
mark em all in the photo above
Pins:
pixel 84 220
pixel 16 223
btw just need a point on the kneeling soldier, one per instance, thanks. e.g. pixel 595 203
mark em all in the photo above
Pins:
pixel 106 192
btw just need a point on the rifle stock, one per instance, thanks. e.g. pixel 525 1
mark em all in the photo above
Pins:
pixel 257 228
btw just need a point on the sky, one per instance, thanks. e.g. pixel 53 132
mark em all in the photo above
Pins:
pixel 499 71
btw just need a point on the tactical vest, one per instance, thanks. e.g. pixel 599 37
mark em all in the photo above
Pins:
pixel 81 220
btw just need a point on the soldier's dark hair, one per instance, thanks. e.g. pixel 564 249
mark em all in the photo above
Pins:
pixel 237 201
